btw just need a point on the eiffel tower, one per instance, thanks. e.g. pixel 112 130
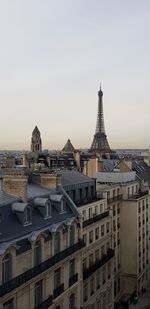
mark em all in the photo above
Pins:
pixel 100 144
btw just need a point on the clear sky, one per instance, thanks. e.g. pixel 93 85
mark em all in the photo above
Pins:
pixel 53 55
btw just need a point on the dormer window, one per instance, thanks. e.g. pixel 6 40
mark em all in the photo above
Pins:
pixel 48 209
pixel 23 211
pixel 27 216
pixel 44 206
pixel 58 202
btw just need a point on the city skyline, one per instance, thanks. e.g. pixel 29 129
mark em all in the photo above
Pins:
pixel 53 58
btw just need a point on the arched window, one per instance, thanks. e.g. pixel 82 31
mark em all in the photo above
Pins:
pixel 27 215
pixel 72 302
pixel 57 243
pixel 7 268
pixel 72 235
pixel 37 253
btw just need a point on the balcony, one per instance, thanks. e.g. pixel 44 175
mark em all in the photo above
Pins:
pixel 105 258
pixel 73 279
pixel 96 218
pixel 114 199
pixel 45 304
pixel 137 195
pixel 88 201
pixel 33 272
pixel 59 290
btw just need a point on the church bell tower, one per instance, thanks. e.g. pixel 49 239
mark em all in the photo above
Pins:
pixel 36 142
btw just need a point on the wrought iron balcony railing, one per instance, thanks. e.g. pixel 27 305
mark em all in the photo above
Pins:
pixel 73 279
pixel 96 218
pixel 46 303
pixel 137 195
pixel 105 258
pixel 33 272
pixel 59 290
pixel 114 199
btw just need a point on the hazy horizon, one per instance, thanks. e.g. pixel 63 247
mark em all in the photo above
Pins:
pixel 54 54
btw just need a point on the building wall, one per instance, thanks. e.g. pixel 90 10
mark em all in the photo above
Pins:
pixel 24 296
pixel 98 284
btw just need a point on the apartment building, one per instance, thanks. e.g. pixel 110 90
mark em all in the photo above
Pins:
pixel 113 196
pixel 98 264
pixel 128 200
pixel 135 219
pixel 40 244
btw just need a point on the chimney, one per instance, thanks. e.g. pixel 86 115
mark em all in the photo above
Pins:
pixel 77 158
pixel 15 183
pixel 91 167
pixel 52 180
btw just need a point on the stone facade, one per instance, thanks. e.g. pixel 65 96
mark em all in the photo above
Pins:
pixel 36 141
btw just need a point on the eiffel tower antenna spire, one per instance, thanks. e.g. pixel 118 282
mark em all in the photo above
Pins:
pixel 100 144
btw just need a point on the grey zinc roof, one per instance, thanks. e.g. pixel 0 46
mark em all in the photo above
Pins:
pixel 35 190
pixel 109 165
pixel 142 170
pixel 20 207
pixel 74 177
pixel 9 219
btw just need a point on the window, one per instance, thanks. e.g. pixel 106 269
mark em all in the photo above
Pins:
pixel 109 296
pixel 37 253
pixel 107 227
pixel 102 250
pixel 74 195
pixel 72 302
pixel 97 255
pixel 91 259
pixel 92 286
pixel 90 212
pixel 85 238
pixel 97 233
pixel 38 293
pixel 98 305
pixel 109 270
pixel 104 275
pixel 7 268
pixel 48 209
pixel 84 214
pixel 96 209
pixel 114 194
pixel 72 235
pixel 114 225
pixel 80 194
pixel 63 205
pixel 102 230
pixel 98 280
pixel 85 264
pixel 8 304
pixel 57 278
pixel 107 245
pixel 90 237
pixel 27 216
pixel 92 191
pixel 72 268
pixel 87 192
pixel 57 242
pixel 85 292
pixel 101 208
pixel 128 191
